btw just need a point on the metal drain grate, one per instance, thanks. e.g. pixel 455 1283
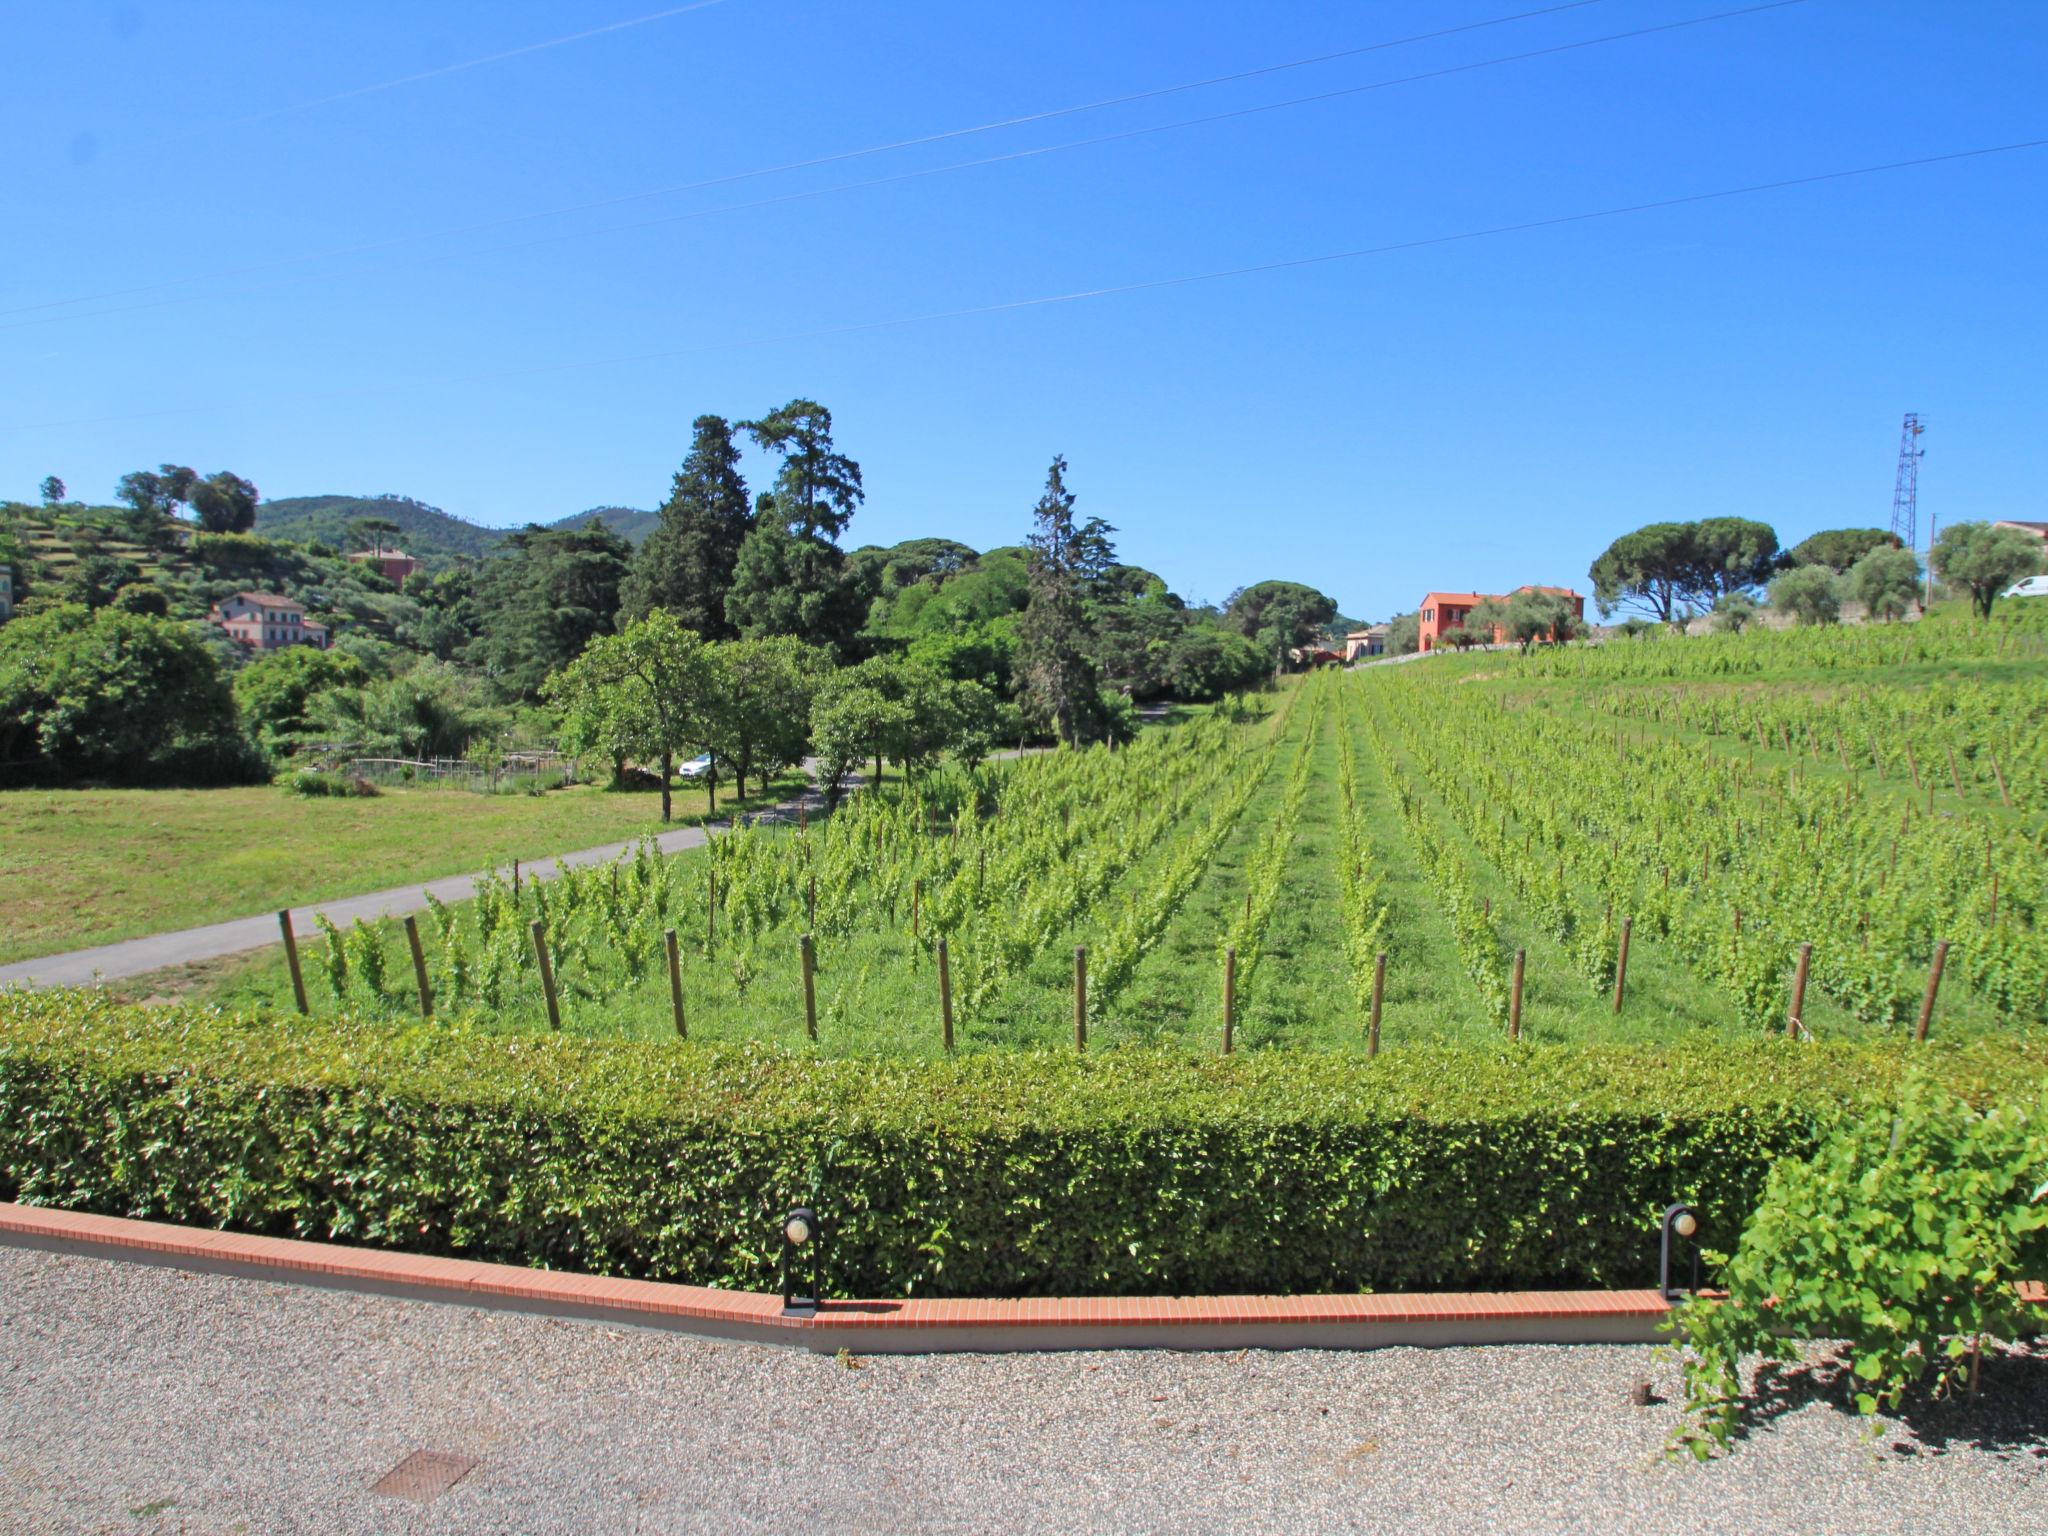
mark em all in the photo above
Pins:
pixel 424 1476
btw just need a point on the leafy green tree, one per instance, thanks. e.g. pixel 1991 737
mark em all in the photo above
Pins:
pixel 142 597
pixel 431 709
pixel 1735 554
pixel 1840 548
pixel 653 686
pixel 93 580
pixel 274 691
pixel 1404 634
pixel 793 584
pixel 52 490
pixel 1053 635
pixel 1279 615
pixel 1205 662
pixel 224 503
pixel 1534 615
pixel 760 718
pixel 1734 612
pixel 818 488
pixel 1984 560
pixel 109 695
pixel 153 499
pixel 1810 593
pixel 1886 581
pixel 539 603
pixel 1652 569
pixel 851 716
pixel 688 563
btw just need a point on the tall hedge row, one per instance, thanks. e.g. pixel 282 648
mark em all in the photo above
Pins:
pixel 1125 1172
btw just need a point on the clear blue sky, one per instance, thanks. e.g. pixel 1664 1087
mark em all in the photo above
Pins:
pixel 1465 415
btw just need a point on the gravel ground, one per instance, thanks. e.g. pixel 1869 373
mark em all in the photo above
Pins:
pixel 146 1400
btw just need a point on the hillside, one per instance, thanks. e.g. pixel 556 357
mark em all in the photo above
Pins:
pixel 424 531
pixel 629 523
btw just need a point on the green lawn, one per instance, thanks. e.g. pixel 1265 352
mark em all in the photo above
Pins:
pixel 91 866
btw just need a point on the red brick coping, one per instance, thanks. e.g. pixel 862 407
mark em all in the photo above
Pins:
pixel 870 1327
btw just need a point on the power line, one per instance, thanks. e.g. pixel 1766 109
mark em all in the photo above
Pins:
pixel 810 164
pixel 455 69
pixel 987 160
pixel 1492 231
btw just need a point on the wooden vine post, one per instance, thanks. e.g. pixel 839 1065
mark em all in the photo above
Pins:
pixel 1379 993
pixel 1999 773
pixel 710 909
pixel 946 994
pixel 547 974
pixel 419 967
pixel 291 958
pixel 675 982
pixel 1229 995
pixel 1954 774
pixel 1515 998
pixel 1933 986
pixel 1621 963
pixel 916 907
pixel 1793 1024
pixel 808 955
pixel 1080 997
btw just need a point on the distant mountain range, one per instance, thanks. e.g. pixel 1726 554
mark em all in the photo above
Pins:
pixel 425 532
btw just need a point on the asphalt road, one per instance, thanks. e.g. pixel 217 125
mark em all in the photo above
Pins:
pixel 146 1400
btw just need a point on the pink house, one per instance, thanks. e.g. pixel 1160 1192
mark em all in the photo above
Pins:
pixel 394 565
pixel 263 621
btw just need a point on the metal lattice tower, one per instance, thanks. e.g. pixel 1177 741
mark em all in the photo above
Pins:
pixel 1906 488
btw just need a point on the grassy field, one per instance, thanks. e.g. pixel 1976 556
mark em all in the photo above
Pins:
pixel 84 867
pixel 1499 805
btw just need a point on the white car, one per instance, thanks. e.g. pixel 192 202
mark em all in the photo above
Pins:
pixel 2033 586
pixel 696 768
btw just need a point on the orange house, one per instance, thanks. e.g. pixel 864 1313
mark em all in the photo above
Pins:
pixel 1443 611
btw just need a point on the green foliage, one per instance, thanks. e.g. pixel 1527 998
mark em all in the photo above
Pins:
pixel 115 695
pixel 545 598
pixel 1059 680
pixel 1984 560
pixel 1905 1234
pixel 311 784
pixel 1279 615
pixel 1811 594
pixel 794 584
pixel 688 562
pixel 1126 1172
pixel 1886 581
pixel 274 691
pixel 224 503
pixel 1661 566
pixel 1840 548
pixel 1404 634
pixel 1734 612
pixel 818 489
pixel 650 691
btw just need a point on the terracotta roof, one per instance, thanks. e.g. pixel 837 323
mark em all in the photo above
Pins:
pixel 270 600
pixel 1453 597
pixel 2020 522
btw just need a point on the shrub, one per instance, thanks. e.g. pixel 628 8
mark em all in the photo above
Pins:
pixel 1006 1173
pixel 313 784
pixel 1810 593
pixel 1904 1234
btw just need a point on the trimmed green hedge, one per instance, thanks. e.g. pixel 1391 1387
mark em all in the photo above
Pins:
pixel 1125 1172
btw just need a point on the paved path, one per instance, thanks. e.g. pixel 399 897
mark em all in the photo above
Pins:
pixel 155 952
pixel 152 1401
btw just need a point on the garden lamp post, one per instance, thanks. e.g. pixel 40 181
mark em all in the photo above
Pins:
pixel 1681 1225
pixel 800 1233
